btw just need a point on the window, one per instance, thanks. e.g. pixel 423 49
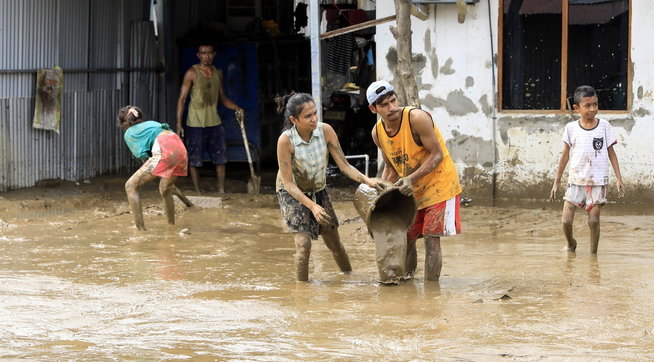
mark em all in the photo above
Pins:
pixel 543 61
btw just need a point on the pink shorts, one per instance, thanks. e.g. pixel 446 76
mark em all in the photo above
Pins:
pixel 169 157
pixel 442 219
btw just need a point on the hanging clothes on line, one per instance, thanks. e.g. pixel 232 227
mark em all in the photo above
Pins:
pixel 339 48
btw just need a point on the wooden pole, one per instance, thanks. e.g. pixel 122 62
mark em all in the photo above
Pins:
pixel 407 89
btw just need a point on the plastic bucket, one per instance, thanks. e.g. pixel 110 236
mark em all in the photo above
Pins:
pixel 388 215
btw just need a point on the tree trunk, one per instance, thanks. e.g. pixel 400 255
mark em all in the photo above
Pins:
pixel 407 90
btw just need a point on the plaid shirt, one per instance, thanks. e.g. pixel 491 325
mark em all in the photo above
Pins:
pixel 309 160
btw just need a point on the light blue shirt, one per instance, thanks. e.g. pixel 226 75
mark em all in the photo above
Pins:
pixel 140 137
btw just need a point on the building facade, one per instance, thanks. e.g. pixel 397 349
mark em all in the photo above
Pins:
pixel 498 85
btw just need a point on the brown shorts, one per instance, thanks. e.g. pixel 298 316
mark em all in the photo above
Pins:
pixel 299 219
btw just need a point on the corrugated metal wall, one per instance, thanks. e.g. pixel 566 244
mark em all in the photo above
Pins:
pixel 73 34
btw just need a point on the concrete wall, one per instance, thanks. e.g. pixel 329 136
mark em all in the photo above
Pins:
pixel 454 73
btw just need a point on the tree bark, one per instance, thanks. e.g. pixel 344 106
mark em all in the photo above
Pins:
pixel 406 89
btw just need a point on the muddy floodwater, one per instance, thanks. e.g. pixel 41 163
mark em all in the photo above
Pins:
pixel 78 281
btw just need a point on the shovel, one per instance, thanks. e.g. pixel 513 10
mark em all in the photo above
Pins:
pixel 254 183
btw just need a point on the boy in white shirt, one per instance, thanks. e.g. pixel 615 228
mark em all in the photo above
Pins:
pixel 588 144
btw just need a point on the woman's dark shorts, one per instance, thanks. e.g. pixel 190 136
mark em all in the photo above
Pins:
pixel 299 219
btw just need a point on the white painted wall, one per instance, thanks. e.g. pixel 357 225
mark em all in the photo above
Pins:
pixel 527 145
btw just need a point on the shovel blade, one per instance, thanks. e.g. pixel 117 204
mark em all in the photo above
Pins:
pixel 254 185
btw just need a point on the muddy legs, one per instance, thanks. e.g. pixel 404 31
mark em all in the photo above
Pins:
pixel 139 178
pixel 195 175
pixel 594 226
pixel 181 196
pixel 220 173
pixel 166 188
pixel 411 259
pixel 566 220
pixel 333 242
pixel 302 253
pixel 433 258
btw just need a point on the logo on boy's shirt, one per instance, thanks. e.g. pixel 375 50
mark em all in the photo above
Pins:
pixel 598 143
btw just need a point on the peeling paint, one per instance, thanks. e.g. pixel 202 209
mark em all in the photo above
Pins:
pixel 470 149
pixel 640 92
pixel 641 112
pixel 470 81
pixel 485 107
pixel 427 41
pixel 457 104
pixel 391 59
pixel 447 68
pixel 434 64
pixel 418 61
pixel 626 123
pixel 476 182
pixel 531 125
pixel 432 102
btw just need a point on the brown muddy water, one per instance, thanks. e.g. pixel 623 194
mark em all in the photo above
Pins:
pixel 77 281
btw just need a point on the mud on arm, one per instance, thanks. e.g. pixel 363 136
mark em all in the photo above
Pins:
pixel 613 157
pixel 337 154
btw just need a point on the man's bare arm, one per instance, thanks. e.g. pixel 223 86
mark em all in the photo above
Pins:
pixel 423 126
pixel 184 90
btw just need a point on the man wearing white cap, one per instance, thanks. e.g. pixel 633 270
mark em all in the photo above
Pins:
pixel 417 161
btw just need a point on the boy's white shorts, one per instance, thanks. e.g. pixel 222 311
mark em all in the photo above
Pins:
pixel 585 196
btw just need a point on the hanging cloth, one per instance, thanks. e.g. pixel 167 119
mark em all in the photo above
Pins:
pixel 47 104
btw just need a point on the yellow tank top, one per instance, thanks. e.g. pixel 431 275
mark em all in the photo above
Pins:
pixel 406 156
pixel 205 93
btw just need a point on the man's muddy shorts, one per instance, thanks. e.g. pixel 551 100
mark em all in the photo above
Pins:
pixel 299 219
pixel 442 219
pixel 585 196
pixel 207 142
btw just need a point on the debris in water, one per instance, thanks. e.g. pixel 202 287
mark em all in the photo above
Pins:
pixel 465 202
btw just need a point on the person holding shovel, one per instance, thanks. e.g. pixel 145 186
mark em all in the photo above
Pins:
pixel 418 162
pixel 303 151
pixel 164 155
pixel 204 129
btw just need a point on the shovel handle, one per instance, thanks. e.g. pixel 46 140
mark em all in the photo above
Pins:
pixel 239 119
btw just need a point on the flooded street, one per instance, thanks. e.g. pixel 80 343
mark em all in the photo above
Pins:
pixel 78 281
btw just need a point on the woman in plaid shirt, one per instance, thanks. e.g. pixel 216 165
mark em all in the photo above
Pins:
pixel 303 151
